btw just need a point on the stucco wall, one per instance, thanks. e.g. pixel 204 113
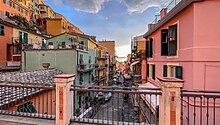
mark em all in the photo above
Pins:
pixel 206 45
pixel 64 60
pixel 110 46
pixel 6 39
pixel 53 27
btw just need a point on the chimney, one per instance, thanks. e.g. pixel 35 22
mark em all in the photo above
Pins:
pixel 163 13
pixel 150 26
pixel 46 65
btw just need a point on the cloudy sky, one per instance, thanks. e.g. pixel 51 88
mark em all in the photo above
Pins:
pixel 117 20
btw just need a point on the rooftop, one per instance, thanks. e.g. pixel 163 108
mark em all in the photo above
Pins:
pixel 32 77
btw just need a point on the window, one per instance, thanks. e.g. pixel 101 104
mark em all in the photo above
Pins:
pixel 165 71
pixel 2 30
pixel 153 72
pixel 164 42
pixel 7 14
pixel 149 48
pixel 81 59
pixel 63 45
pixel 27 107
pixel 81 79
pixel 172 40
pixel 169 41
pixel 8 2
pixel 173 71
pixel 24 12
pixel 89 59
pixel 23 37
pixel 148 71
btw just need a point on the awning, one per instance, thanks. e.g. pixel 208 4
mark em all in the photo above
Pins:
pixel 134 63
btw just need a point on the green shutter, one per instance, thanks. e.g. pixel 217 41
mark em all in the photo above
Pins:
pixel 148 70
pixel 2 30
pixel 25 38
pixel 153 72
pixel 165 71
pixel 179 72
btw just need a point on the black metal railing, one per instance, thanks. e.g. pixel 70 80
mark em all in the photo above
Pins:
pixel 115 105
pixel 28 100
pixel 200 107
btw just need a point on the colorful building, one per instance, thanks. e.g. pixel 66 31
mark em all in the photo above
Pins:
pixel 184 44
pixel 6 33
pixel 110 48
pixel 13 7
pixel 33 6
pixel 138 59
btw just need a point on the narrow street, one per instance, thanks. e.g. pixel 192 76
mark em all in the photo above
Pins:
pixel 117 110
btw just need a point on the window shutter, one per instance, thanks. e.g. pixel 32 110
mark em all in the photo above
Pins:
pixel 172 40
pixel 164 42
pixel 148 70
pixel 147 49
pixel 2 30
pixel 179 72
pixel 153 72
pixel 165 71
pixel 151 48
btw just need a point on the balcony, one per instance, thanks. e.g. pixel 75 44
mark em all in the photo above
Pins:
pixel 102 57
pixel 83 68
pixel 80 47
pixel 42 9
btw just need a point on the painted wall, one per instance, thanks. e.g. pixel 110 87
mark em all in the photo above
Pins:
pixel 53 26
pixel 64 60
pixel 141 45
pixel 206 45
pixel 110 46
pixel 6 39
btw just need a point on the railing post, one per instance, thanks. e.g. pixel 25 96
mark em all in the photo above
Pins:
pixel 170 101
pixel 64 98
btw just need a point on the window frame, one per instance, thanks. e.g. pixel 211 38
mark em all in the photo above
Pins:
pixel 2 30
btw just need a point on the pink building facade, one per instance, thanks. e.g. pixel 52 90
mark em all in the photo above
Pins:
pixel 185 44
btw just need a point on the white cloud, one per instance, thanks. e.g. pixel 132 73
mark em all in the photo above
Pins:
pixel 139 6
pixel 89 6
pixel 122 51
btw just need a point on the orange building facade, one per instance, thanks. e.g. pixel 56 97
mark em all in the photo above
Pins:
pixel 11 7
pixel 6 33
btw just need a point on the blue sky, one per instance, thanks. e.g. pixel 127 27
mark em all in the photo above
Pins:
pixel 117 20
